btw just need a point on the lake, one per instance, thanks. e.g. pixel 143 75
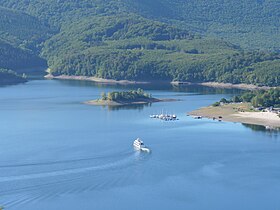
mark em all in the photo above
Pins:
pixel 58 153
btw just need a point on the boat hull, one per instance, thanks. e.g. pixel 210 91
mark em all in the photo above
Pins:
pixel 139 146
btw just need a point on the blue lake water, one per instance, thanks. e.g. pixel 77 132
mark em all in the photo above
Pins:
pixel 58 153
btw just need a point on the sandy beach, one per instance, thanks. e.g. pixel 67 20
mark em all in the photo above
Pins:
pixel 239 113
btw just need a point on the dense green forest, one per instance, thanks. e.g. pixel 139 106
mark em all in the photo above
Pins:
pixel 135 48
pixel 132 95
pixel 15 57
pixel 252 23
pixel 145 40
pixel 258 98
pixel 22 30
pixel 264 98
pixel 20 39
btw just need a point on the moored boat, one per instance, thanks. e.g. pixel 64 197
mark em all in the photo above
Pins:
pixel 165 117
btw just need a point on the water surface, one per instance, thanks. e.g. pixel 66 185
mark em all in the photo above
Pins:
pixel 58 153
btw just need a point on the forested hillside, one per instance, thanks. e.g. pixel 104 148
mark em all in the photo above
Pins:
pixel 146 40
pixel 251 23
pixel 22 30
pixel 21 37
pixel 17 58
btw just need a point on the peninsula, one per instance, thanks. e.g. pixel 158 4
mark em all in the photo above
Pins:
pixel 255 107
pixel 126 98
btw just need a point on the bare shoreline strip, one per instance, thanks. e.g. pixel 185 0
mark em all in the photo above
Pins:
pixel 225 85
pixel 239 113
pixel 237 86
pixel 94 79
pixel 126 82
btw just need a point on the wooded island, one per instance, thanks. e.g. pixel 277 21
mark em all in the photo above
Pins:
pixel 126 98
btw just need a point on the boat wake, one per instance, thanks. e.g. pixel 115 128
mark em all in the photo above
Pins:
pixel 124 154
pixel 23 183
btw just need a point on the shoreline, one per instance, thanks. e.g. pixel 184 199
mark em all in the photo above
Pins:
pixel 94 79
pixel 127 82
pixel 236 86
pixel 241 86
pixel 239 113
pixel 99 102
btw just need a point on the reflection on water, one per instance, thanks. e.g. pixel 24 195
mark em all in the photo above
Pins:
pixel 156 86
pixel 204 90
pixel 128 107
pixel 261 128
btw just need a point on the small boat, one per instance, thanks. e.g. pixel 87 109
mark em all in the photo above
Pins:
pixel 165 117
pixel 138 144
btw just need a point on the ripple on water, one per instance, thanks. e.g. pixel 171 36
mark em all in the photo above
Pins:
pixel 31 182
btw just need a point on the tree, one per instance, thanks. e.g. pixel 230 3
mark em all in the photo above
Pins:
pixel 256 102
pixel 236 99
pixel 110 96
pixel 116 96
pixel 216 104
pixel 140 91
pixel 223 100
pixel 247 97
pixel 103 96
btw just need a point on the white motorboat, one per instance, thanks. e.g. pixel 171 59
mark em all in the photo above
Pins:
pixel 138 144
